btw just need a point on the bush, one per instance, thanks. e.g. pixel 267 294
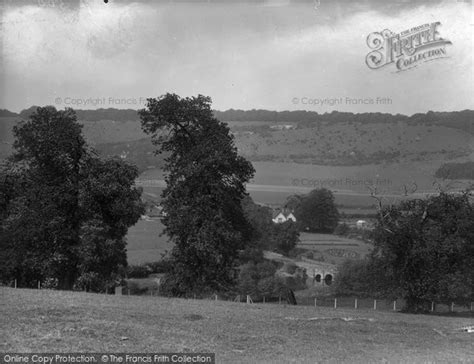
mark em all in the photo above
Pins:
pixel 361 278
pixel 138 271
pixel 141 286
pixel 50 283
pixel 93 282
pixel 342 229
pixel 271 287
pixel 259 280
pixel 289 268
pixel 144 270
pixel 161 266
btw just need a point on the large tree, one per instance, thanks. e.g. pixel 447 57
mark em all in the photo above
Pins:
pixel 205 180
pixel 426 248
pixel 317 211
pixel 65 212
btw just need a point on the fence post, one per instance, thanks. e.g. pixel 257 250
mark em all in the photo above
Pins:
pixel 335 302
pixel 216 297
pixel 39 284
pixel 395 305
pixel 355 303
pixel 375 304
pixel 432 306
pixel 15 287
pixel 315 302
pixel 452 306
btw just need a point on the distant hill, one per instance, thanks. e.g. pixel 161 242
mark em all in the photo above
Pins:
pixel 457 119
pixel 463 120
pixel 139 152
pixel 305 137
pixel 94 115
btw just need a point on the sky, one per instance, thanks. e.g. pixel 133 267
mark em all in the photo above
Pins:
pixel 274 54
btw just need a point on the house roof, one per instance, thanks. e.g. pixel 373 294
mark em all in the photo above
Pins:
pixel 284 212
pixel 275 213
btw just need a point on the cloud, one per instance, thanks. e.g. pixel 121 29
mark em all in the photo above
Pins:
pixel 242 55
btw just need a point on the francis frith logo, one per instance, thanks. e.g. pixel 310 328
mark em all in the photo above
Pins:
pixel 406 49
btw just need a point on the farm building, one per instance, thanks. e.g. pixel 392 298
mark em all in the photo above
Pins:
pixel 281 216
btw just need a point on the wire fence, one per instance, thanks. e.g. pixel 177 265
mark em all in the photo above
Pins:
pixel 321 301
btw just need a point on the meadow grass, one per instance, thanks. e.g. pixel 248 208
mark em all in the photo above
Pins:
pixel 49 321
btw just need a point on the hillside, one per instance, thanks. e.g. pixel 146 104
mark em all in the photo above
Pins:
pixel 355 144
pixel 319 139
pixel 49 321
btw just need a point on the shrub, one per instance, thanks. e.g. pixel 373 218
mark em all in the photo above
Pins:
pixel 271 287
pixel 342 229
pixel 289 268
pixel 50 283
pixel 138 271
pixel 161 266
pixel 259 280
pixel 361 278
pixel 141 286
pixel 93 282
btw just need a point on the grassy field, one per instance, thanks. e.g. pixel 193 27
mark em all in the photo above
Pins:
pixel 389 177
pixel 145 244
pixel 49 321
pixel 334 249
pixel 273 196
pixel 274 182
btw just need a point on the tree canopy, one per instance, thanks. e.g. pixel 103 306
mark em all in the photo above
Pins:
pixel 205 180
pixel 65 212
pixel 426 248
pixel 316 211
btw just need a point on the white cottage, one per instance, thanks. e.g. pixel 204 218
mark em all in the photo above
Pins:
pixel 281 216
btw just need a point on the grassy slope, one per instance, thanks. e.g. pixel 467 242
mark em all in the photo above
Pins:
pixel 335 139
pixel 47 321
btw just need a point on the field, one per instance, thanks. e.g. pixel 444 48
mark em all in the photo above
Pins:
pixel 274 182
pixel 49 321
pixel 145 244
pixel 332 248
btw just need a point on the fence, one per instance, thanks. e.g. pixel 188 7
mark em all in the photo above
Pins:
pixel 327 302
